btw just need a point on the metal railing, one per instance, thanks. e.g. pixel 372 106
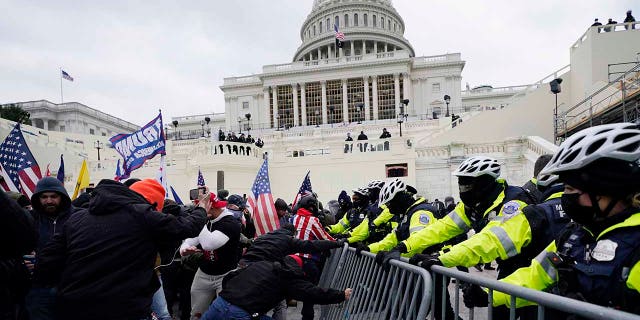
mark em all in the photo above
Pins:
pixel 378 293
pixel 543 300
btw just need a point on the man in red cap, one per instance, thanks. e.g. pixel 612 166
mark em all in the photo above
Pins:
pixel 218 241
pixel 103 257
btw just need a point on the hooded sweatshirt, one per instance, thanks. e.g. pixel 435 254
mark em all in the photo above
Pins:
pixel 103 258
pixel 46 224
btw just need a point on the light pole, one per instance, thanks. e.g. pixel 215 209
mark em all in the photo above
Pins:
pixel 202 125
pixel 332 110
pixel 402 116
pixel 447 100
pixel 175 126
pixel 248 116
pixel 277 122
pixel 360 107
pixel 207 120
pixel 99 145
pixel 555 89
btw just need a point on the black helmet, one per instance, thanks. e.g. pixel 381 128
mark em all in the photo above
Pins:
pixel 309 202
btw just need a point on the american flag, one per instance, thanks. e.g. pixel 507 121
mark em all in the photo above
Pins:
pixel 66 76
pixel 264 212
pixel 18 167
pixel 305 189
pixel 339 36
pixel 200 179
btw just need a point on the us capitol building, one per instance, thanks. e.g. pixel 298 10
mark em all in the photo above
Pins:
pixel 304 109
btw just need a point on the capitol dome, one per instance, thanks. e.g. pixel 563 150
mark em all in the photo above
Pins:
pixel 369 26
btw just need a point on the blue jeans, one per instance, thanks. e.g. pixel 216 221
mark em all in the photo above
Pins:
pixel 40 303
pixel 159 304
pixel 220 309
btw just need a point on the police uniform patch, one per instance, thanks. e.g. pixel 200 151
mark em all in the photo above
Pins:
pixel 424 219
pixel 510 210
pixel 605 250
pixel 361 216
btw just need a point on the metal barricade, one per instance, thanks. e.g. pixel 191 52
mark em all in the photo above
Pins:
pixel 543 300
pixel 396 292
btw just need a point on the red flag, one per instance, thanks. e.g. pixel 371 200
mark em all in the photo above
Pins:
pixel 48 172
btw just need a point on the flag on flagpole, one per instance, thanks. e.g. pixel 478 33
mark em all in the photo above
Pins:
pixel 60 174
pixel 339 36
pixel 175 196
pixel 140 146
pixel 47 172
pixel 200 179
pixel 18 167
pixel 118 172
pixel 305 189
pixel 264 212
pixel 83 180
pixel 66 76
pixel 162 177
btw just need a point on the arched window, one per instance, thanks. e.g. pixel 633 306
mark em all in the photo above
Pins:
pixel 366 20
pixel 355 20
pixel 320 29
pixel 389 24
pixel 314 31
pixel 395 27
pixel 328 24
pixel 375 21
pixel 337 21
pixel 382 22
pixel 346 20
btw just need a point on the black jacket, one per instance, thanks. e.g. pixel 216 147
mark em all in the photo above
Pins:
pixel 103 258
pixel 259 287
pixel 18 237
pixel 275 245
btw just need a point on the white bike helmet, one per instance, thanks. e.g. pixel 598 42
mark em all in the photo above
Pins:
pixel 375 184
pixel 615 141
pixel 363 191
pixel 390 190
pixel 478 166
pixel 546 180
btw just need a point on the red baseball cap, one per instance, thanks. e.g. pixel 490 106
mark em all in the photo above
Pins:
pixel 216 202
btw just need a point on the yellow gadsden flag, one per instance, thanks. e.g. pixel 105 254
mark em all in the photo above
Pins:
pixel 83 180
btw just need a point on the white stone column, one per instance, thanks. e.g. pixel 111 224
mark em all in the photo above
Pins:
pixel 329 52
pixel 294 88
pixel 406 91
pixel 341 52
pixel 386 48
pixel 319 54
pixel 367 113
pixel 345 102
pixel 303 103
pixel 324 101
pixel 265 102
pixel 375 46
pixel 375 97
pixel 364 47
pixel 45 124
pixel 276 122
pixel 353 50
pixel 396 91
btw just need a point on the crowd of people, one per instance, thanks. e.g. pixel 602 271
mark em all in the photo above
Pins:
pixel 232 137
pixel 362 136
pixel 124 252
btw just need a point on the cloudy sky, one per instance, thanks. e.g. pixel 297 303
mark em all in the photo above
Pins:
pixel 130 58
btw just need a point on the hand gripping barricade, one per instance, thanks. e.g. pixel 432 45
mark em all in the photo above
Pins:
pixel 395 292
pixel 403 291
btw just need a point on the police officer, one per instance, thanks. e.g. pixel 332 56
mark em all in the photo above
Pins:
pixel 482 196
pixel 411 214
pixel 596 258
pixel 377 223
pixel 354 216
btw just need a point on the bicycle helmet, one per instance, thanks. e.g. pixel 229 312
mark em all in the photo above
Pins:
pixel 375 184
pixel 362 191
pixel 477 166
pixel 615 141
pixel 546 180
pixel 390 190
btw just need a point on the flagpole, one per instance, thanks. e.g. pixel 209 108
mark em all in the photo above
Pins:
pixel 61 95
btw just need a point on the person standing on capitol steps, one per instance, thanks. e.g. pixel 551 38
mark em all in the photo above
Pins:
pixel 597 257
pixel 483 196
pixel 514 238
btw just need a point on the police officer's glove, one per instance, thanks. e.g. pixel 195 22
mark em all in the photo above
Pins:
pixel 474 296
pixel 361 247
pixel 418 258
pixel 429 261
pixel 341 236
pixel 384 257
pixel 340 243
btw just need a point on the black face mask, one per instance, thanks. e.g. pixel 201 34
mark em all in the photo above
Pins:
pixel 580 214
pixel 474 193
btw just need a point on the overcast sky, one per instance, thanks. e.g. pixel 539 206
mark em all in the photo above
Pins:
pixel 130 58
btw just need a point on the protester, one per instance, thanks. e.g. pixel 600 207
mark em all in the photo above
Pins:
pixel 218 241
pixel 596 23
pixel 249 293
pixel 283 211
pixel 17 238
pixel 102 260
pixel 259 143
pixel 609 23
pixel 349 138
pixel 385 134
pixel 362 136
pixel 629 19
pixel 51 209
pixel 345 204
pixel 21 199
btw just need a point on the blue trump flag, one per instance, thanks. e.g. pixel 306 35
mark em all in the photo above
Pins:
pixel 175 196
pixel 138 147
pixel 60 174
